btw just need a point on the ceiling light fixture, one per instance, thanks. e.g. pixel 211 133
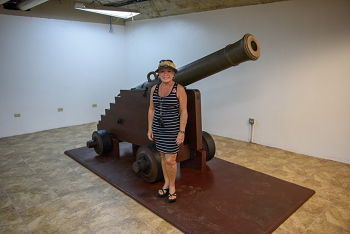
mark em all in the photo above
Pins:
pixel 3 1
pixel 111 11
pixel 26 5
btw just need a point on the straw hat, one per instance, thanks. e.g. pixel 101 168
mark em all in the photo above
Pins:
pixel 166 64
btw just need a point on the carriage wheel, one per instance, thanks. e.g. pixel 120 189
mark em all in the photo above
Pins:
pixel 208 145
pixel 101 142
pixel 148 163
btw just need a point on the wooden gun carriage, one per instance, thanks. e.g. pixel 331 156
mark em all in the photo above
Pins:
pixel 127 118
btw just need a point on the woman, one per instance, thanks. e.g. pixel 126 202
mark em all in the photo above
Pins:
pixel 167 119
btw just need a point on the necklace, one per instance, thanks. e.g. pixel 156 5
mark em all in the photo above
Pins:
pixel 164 90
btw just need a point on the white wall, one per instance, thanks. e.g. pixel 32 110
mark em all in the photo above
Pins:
pixel 50 64
pixel 298 91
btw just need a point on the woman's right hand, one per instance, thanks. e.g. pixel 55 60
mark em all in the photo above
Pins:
pixel 150 135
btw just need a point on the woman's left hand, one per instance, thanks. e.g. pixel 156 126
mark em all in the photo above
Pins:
pixel 180 138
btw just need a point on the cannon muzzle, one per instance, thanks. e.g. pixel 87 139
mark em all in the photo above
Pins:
pixel 246 49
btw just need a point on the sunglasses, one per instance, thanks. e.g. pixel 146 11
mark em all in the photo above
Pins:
pixel 160 123
pixel 166 60
pixel 160 120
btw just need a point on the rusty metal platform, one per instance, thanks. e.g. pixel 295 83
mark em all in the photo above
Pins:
pixel 225 198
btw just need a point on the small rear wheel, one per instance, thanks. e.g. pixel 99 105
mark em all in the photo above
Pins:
pixel 101 142
pixel 208 145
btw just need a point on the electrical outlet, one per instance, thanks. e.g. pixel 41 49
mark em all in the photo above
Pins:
pixel 59 109
pixel 251 121
pixel 94 105
pixel 17 115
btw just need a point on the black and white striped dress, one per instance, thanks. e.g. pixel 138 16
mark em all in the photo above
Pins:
pixel 166 111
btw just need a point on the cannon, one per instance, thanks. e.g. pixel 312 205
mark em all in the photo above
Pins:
pixel 126 120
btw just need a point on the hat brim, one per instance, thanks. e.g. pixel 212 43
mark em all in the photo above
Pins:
pixel 161 67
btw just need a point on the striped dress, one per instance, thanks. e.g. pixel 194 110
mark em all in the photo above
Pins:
pixel 166 121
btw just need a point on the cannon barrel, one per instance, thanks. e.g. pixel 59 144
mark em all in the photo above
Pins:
pixel 246 49
pixel 127 118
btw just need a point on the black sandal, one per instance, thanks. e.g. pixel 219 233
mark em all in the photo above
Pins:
pixel 165 192
pixel 172 195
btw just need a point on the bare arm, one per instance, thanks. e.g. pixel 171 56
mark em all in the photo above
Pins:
pixel 182 96
pixel 150 115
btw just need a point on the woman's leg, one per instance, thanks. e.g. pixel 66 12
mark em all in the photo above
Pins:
pixel 164 168
pixel 171 171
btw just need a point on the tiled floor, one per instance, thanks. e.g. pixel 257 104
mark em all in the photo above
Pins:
pixel 44 191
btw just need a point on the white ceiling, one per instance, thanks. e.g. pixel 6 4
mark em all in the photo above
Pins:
pixel 64 9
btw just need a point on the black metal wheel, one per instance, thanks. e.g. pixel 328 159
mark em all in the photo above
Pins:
pixel 148 163
pixel 208 145
pixel 101 142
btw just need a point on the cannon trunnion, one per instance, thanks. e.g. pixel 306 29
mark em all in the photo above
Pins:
pixel 127 118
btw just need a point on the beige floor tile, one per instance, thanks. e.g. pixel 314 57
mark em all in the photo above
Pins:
pixel 59 173
pixel 32 197
pixel 298 222
pixel 35 156
pixel 131 204
pixel 322 226
pixel 325 190
pixel 104 215
pixel 315 205
pixel 68 224
pixel 79 200
pixel 5 150
pixel 343 200
pixel 69 185
pixel 336 167
pixel 12 223
pixel 129 225
pixel 287 176
pixel 329 178
pixel 46 213
pixel 113 192
pixel 2 191
pixel 6 207
pixel 48 165
pixel 15 184
pixel 9 161
pixel 95 180
pixel 23 148
pixel 156 222
pixel 17 169
pixel 280 230
pixel 78 168
pixel 55 194
pixel 338 216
